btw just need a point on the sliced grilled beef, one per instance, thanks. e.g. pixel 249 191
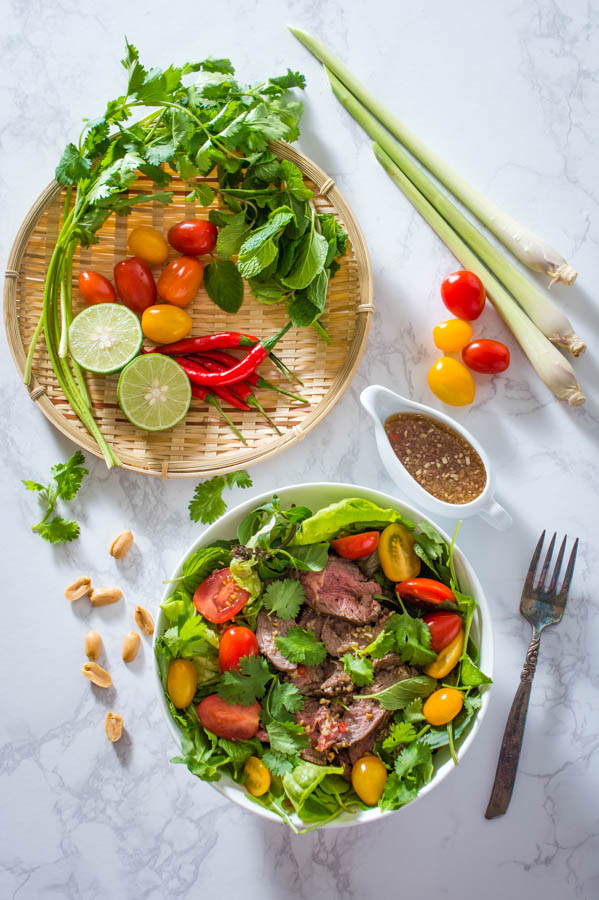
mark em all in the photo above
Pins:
pixel 388 670
pixel 329 679
pixel 322 722
pixel 340 637
pixel 312 621
pixel 362 718
pixel 308 679
pixel 342 590
pixel 318 757
pixel 269 628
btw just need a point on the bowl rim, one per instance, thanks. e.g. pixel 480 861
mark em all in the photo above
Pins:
pixel 226 786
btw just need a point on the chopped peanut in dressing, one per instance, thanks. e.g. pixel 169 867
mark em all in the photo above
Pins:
pixel 437 457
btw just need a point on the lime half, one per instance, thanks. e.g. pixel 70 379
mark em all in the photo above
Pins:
pixel 105 337
pixel 154 392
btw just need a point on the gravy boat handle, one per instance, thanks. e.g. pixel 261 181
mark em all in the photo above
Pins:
pixel 496 516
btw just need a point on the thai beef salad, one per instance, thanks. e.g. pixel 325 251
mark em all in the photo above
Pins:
pixel 321 660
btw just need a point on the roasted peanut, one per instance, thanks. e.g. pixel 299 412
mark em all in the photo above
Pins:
pixel 79 588
pixel 104 596
pixel 93 645
pixel 144 620
pixel 131 646
pixel 121 545
pixel 113 726
pixel 97 674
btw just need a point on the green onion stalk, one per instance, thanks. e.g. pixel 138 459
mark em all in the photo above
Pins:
pixel 532 250
pixel 550 365
pixel 541 309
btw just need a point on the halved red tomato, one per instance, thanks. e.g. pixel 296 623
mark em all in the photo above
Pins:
pixel 424 591
pixel 355 546
pixel 219 597
pixel 229 720
pixel 237 641
pixel 444 627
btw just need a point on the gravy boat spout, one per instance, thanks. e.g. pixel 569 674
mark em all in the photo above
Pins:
pixel 380 403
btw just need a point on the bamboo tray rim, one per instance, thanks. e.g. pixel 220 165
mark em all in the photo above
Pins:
pixel 246 456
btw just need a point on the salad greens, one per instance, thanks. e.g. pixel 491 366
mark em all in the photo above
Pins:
pixel 272 544
pixel 64 485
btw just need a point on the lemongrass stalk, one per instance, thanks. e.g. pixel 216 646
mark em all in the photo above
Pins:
pixel 532 250
pixel 550 365
pixel 542 310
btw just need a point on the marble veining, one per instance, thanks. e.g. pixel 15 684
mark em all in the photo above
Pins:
pixel 508 93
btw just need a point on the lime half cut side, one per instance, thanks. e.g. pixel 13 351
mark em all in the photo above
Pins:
pixel 154 392
pixel 105 337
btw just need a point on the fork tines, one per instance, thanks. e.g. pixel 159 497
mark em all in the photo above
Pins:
pixel 551 591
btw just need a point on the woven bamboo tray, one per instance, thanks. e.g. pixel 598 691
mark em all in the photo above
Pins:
pixel 202 444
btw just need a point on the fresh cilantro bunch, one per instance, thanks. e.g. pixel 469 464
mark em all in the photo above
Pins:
pixel 64 485
pixel 207 504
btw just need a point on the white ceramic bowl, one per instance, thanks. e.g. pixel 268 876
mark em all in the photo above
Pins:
pixel 316 496
pixel 380 403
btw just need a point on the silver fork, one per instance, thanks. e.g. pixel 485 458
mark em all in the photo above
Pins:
pixel 541 607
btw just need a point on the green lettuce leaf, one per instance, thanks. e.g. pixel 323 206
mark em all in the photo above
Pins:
pixel 357 514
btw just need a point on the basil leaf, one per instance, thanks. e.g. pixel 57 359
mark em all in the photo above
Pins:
pixel 403 692
pixel 224 285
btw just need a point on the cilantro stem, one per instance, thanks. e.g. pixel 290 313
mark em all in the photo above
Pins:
pixel 451 743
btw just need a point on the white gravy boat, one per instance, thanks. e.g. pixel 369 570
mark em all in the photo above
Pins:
pixel 380 403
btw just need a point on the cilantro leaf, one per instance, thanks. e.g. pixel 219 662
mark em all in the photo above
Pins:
pixel 65 483
pixel 287 737
pixel 69 475
pixel 400 733
pixel 301 646
pixel 284 598
pixel 72 166
pixel 360 668
pixel 409 637
pixel 284 698
pixel 207 504
pixel 277 764
pixel 58 530
pixel 413 769
pixel 247 685
pixel 413 711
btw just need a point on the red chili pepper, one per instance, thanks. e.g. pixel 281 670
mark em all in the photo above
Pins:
pixel 228 360
pixel 202 394
pixel 195 371
pixel 244 367
pixel 242 389
pixel 342 726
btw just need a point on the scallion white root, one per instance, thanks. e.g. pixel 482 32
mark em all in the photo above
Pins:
pixel 532 250
pixel 550 365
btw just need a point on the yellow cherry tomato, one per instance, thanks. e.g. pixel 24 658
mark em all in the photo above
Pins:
pixel 447 659
pixel 181 682
pixel 165 324
pixel 148 244
pixel 396 553
pixel 451 382
pixel 442 706
pixel 368 777
pixel 257 776
pixel 452 335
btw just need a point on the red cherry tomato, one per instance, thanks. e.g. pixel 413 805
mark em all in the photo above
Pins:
pixel 219 597
pixel 95 288
pixel 424 591
pixel 444 627
pixel 180 281
pixel 236 642
pixel 135 283
pixel 193 238
pixel 463 294
pixel 229 720
pixel 355 546
pixel 486 356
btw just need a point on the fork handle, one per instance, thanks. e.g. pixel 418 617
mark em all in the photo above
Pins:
pixel 511 745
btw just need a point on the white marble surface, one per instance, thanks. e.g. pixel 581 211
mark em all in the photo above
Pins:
pixel 508 92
